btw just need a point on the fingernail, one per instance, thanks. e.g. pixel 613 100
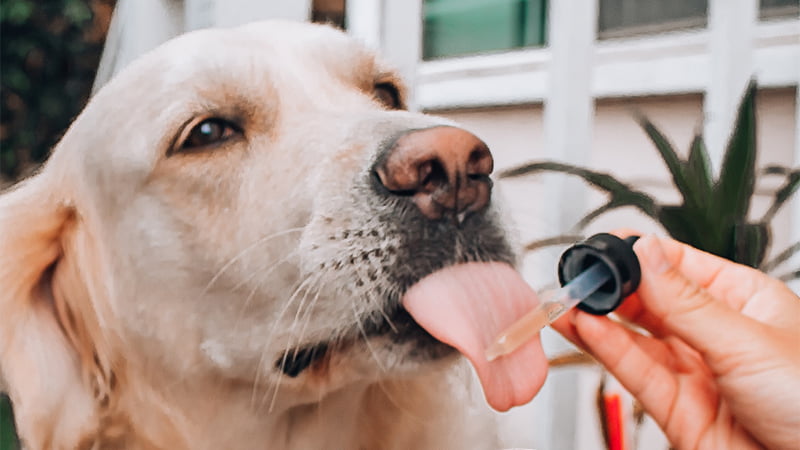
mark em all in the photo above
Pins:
pixel 651 254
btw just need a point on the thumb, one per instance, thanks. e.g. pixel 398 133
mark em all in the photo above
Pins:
pixel 688 311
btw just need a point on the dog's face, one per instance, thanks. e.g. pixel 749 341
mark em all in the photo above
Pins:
pixel 248 217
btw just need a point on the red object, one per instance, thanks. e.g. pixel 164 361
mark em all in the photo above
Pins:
pixel 616 433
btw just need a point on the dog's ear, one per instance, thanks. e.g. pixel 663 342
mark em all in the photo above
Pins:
pixel 49 327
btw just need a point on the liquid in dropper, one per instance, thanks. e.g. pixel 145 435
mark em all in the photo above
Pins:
pixel 554 305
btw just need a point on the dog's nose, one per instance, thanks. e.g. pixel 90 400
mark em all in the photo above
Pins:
pixel 444 169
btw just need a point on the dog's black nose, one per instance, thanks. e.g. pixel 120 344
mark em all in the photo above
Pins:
pixel 444 169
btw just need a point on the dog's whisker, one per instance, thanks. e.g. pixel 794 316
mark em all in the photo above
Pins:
pixel 272 402
pixel 270 337
pixel 388 320
pixel 255 287
pixel 305 288
pixel 301 304
pixel 363 333
pixel 268 341
pixel 306 320
pixel 267 271
pixel 244 251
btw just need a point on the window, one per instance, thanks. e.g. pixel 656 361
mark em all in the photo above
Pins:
pixel 328 11
pixel 619 18
pixel 779 8
pixel 463 27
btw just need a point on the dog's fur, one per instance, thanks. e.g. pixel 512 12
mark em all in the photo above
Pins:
pixel 240 295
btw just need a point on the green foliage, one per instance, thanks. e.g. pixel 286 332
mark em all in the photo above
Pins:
pixel 713 213
pixel 8 435
pixel 50 51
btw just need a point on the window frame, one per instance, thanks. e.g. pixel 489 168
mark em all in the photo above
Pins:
pixel 663 64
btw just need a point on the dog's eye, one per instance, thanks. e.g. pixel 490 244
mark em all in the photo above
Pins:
pixel 388 94
pixel 208 132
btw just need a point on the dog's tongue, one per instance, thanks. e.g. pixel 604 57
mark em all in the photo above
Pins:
pixel 467 306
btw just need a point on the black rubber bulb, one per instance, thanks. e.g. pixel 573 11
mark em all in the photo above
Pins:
pixel 618 257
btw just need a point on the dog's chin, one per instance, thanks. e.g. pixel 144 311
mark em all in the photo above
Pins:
pixel 395 334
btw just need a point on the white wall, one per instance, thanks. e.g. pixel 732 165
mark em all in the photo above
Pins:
pixel 138 26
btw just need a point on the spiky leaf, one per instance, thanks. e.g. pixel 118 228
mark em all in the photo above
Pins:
pixel 698 173
pixel 682 225
pixel 621 193
pixel 750 244
pixel 781 258
pixel 8 435
pixel 776 170
pixel 789 276
pixel 783 194
pixel 736 182
pixel 677 168
pixel 595 213
pixel 564 239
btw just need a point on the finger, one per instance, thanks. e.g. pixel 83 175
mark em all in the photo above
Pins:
pixel 743 288
pixel 632 311
pixel 565 325
pixel 636 361
pixel 685 309
pixel 733 283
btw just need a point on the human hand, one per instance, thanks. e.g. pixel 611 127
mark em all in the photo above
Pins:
pixel 720 367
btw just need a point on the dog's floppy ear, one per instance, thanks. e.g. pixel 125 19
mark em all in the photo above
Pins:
pixel 56 374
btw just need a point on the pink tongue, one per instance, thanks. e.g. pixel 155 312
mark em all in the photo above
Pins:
pixel 467 306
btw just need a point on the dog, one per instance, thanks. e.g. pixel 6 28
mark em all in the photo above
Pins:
pixel 214 255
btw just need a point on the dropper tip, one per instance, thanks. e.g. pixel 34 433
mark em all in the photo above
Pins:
pixel 496 350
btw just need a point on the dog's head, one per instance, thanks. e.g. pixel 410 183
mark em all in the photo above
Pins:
pixel 246 205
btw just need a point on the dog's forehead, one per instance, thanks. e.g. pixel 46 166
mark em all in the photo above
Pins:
pixel 261 47
pixel 251 70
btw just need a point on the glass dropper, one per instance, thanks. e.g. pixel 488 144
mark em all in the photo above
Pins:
pixel 601 261
pixel 553 305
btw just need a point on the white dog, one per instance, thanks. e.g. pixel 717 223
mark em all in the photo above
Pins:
pixel 214 255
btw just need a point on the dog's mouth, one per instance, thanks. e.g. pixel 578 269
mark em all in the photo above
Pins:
pixel 296 361
pixel 397 325
pixel 382 272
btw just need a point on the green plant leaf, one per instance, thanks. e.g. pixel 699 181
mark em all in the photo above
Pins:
pixel 776 170
pixel 620 199
pixel 564 239
pixel 603 181
pixel 696 226
pixel 736 182
pixel 588 218
pixel 677 168
pixel 783 194
pixel 698 173
pixel 789 276
pixel 682 225
pixel 16 11
pixel 8 434
pixel 781 258
pixel 77 11
pixel 750 243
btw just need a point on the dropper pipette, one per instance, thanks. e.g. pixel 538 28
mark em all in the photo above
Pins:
pixel 554 304
pixel 612 265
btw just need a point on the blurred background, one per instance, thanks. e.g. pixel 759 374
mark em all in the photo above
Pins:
pixel 50 51
pixel 558 80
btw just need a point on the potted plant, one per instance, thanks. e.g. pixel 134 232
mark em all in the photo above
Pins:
pixel 713 214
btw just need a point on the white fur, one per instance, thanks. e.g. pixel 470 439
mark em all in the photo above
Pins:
pixel 146 296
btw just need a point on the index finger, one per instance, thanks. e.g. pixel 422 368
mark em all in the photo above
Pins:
pixel 742 288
